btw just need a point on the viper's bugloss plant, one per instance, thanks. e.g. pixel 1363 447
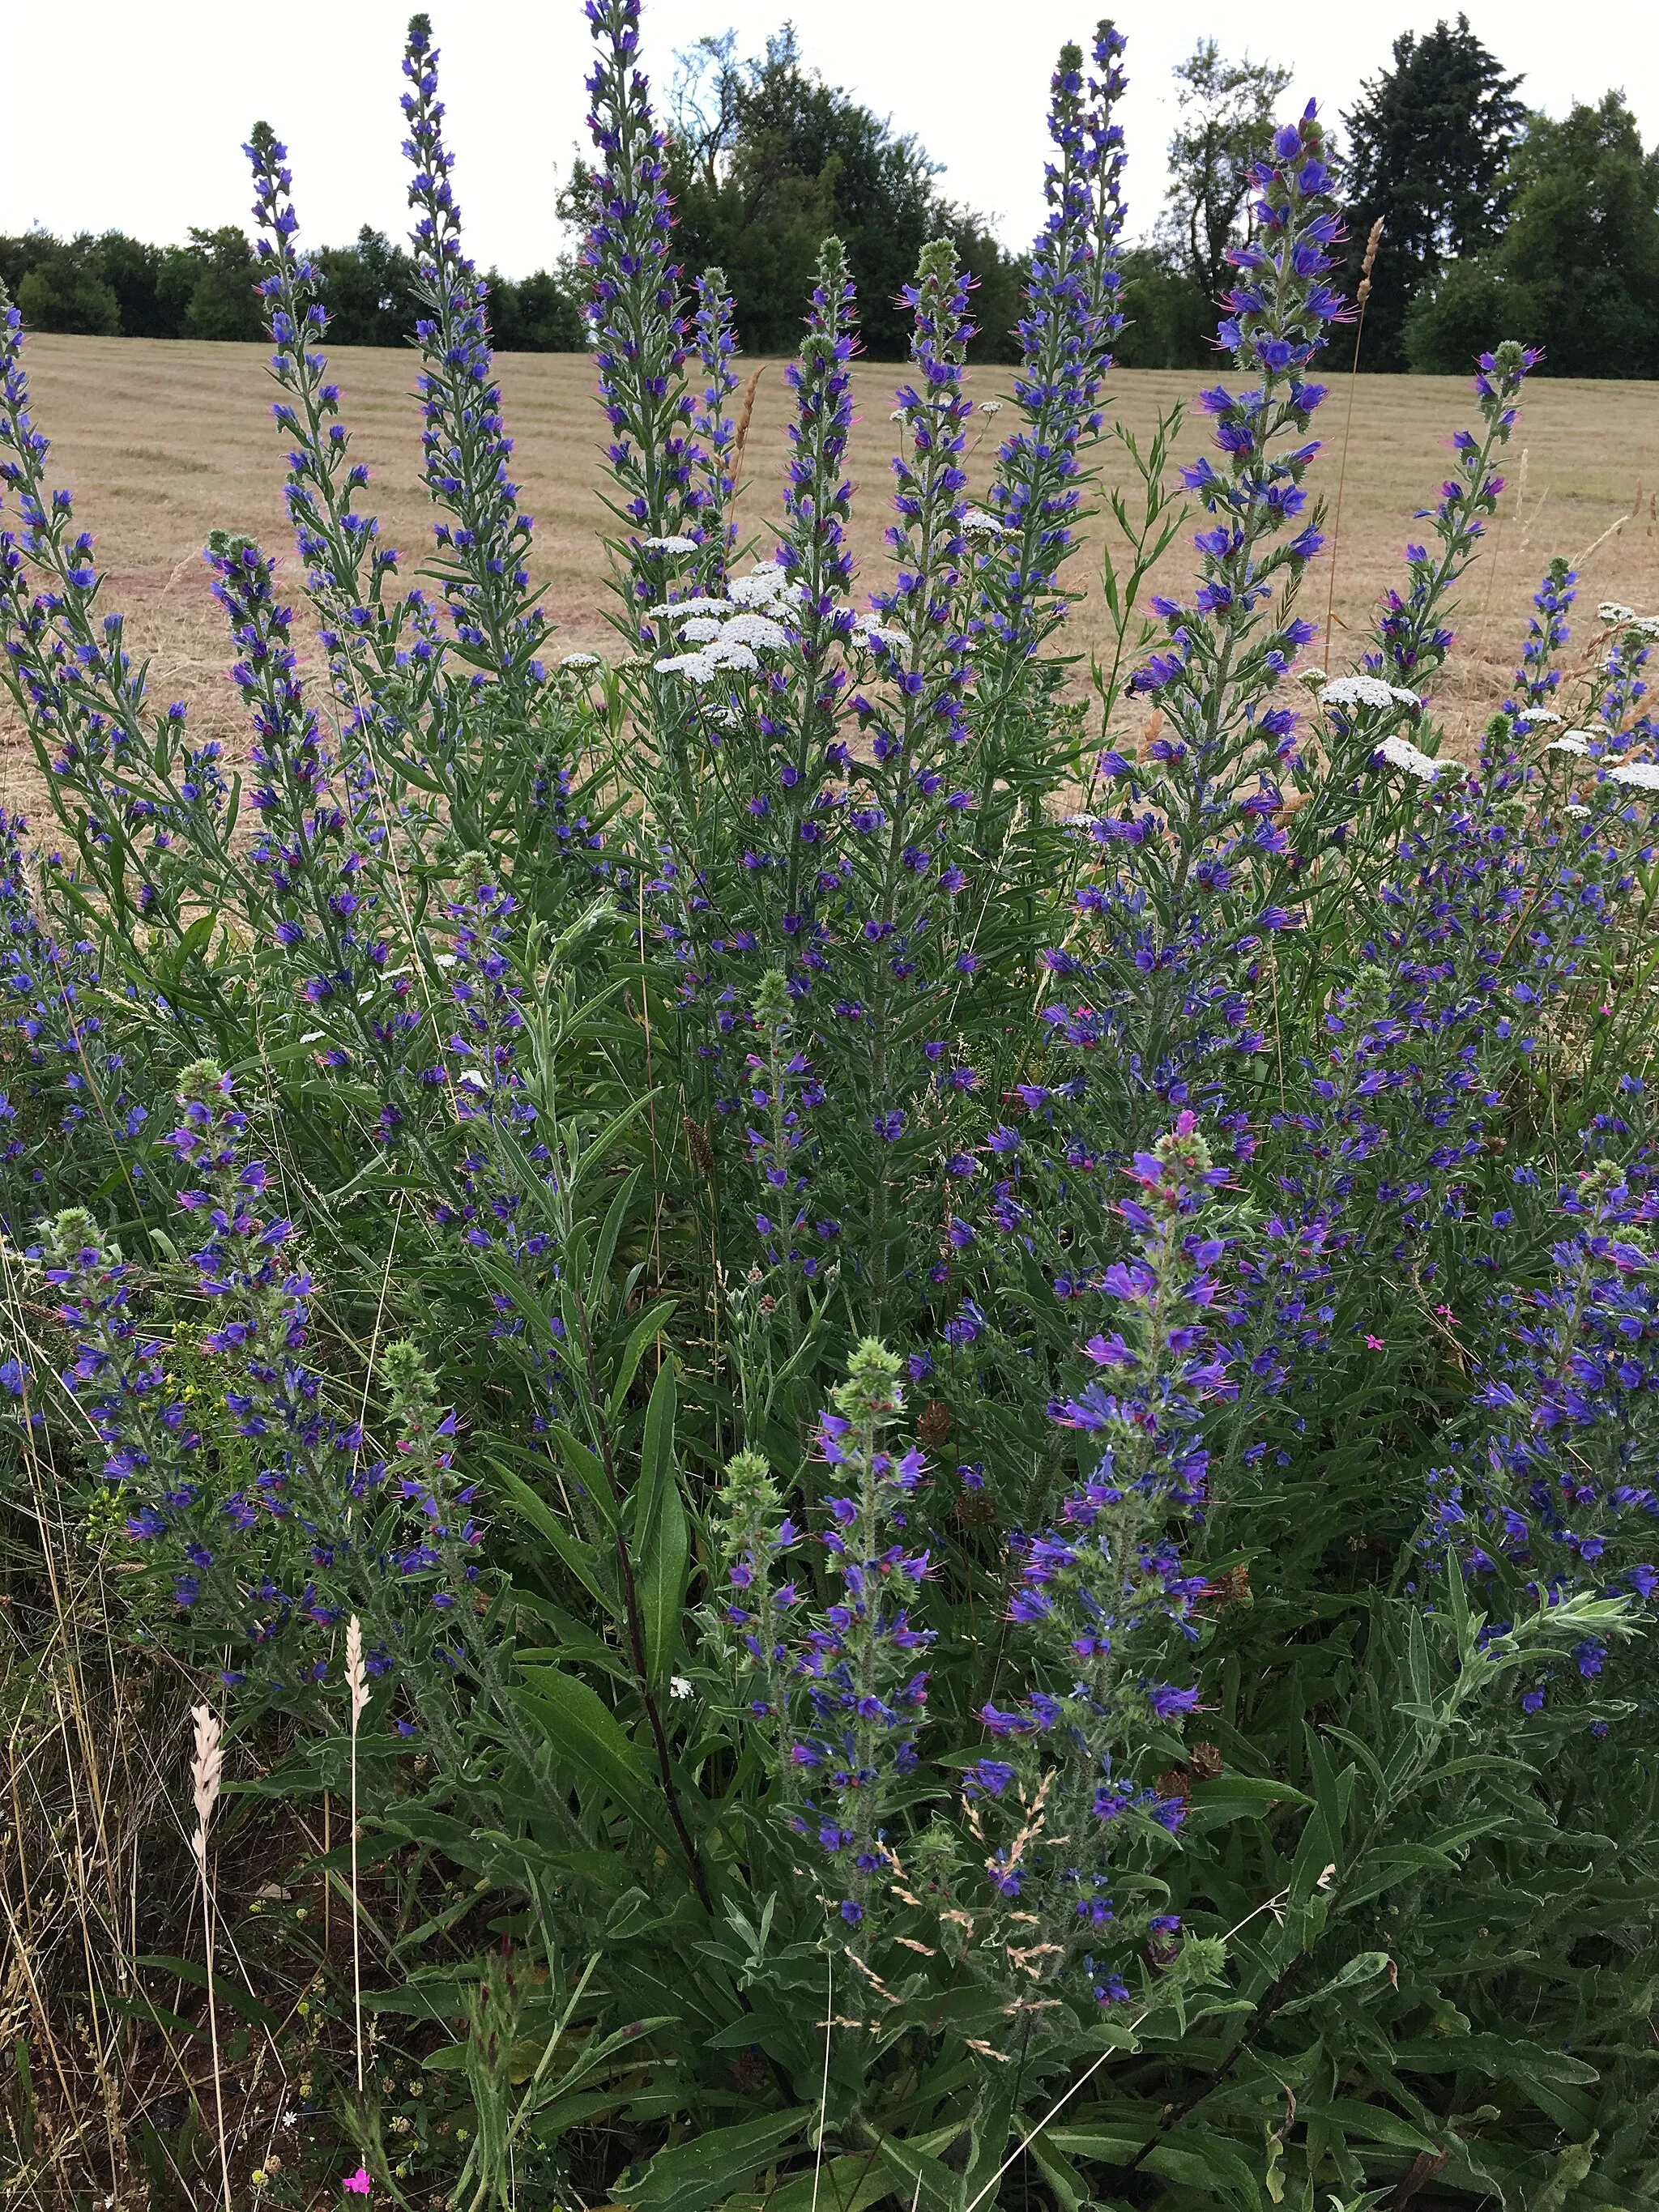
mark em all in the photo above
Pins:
pixel 962 1350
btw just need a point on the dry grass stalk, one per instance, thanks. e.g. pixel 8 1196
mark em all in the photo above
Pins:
pixel 357 1683
pixel 745 417
pixel 1361 296
pixel 206 1773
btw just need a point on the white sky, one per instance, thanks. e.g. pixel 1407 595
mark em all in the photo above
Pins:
pixel 130 113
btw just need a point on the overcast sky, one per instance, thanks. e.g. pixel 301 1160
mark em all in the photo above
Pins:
pixel 114 115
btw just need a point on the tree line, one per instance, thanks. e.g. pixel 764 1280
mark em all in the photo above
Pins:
pixel 114 286
pixel 1498 221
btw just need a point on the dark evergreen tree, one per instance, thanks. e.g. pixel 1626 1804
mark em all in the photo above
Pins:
pixel 1427 149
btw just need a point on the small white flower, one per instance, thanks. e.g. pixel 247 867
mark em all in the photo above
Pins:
pixel 1574 741
pixel 1646 627
pixel 581 660
pixel 1366 692
pixel 751 629
pixel 1400 752
pixel 1313 677
pixel 897 415
pixel 1610 610
pixel 1533 715
pixel 881 640
pixel 1579 813
pixel 1641 776
pixel 976 523
pixel 764 586
pixel 676 609
pixel 992 407
pixel 679 1685
pixel 696 667
pixel 668 545
pixel 700 628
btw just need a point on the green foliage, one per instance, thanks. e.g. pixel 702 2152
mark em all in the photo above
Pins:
pixel 1576 269
pixel 1428 147
pixel 766 159
pixel 1225 121
pixel 114 286
pixel 925 1472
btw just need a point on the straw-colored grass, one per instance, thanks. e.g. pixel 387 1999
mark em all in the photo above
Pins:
pixel 163 442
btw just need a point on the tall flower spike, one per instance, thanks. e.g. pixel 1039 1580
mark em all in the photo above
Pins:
pixel 348 569
pixel 714 456
pixel 801 719
pixel 1565 1499
pixel 1411 640
pixel 1100 1598
pixel 637 316
pixel 82 699
pixel 1071 318
pixel 1538 679
pixel 482 550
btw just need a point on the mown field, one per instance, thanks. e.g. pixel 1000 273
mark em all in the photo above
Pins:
pixel 162 442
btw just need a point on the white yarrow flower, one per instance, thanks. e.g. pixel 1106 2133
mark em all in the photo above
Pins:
pixel 1400 752
pixel 1313 677
pixel 669 545
pixel 1533 715
pixel 581 660
pixel 679 1685
pixel 1610 610
pixel 1366 692
pixel 764 587
pixel 700 628
pixel 976 523
pixel 1641 776
pixel 1574 741
pixel 751 629
pixel 696 667
pixel 881 640
pixel 677 610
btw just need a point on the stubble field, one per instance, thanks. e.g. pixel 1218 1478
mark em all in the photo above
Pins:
pixel 161 443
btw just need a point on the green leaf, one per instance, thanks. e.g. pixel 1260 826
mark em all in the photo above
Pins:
pixel 581 1557
pixel 694 2175
pixel 651 1324
pixel 1363 1966
pixel 656 1453
pixel 659 1574
pixel 606 1249
pixel 584 1736
pixel 926 2179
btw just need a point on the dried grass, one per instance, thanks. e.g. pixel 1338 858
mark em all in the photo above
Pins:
pixel 163 442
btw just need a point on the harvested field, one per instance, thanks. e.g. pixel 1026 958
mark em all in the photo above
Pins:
pixel 163 442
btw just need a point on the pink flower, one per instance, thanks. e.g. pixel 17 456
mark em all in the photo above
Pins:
pixel 1446 1314
pixel 1375 1343
pixel 359 2183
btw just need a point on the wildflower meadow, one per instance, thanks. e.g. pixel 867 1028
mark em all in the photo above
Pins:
pixel 891 1398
